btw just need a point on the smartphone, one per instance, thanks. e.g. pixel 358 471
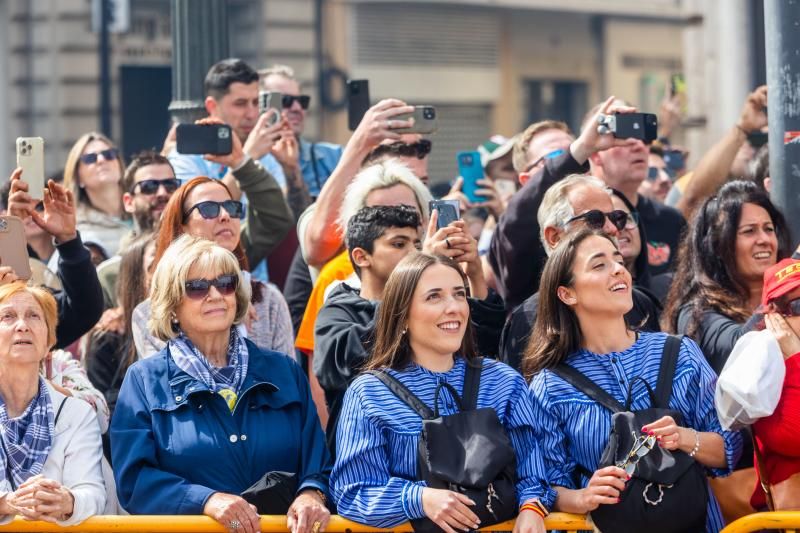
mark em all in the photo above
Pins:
pixel 757 139
pixel 471 170
pixel 448 211
pixel 677 84
pixel 424 120
pixel 357 102
pixel 30 158
pixel 204 139
pixel 674 160
pixel 271 100
pixel 642 126
pixel 14 247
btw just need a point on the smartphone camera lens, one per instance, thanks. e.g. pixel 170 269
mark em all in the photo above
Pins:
pixel 467 159
pixel 429 113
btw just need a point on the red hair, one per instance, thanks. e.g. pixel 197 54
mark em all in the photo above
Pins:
pixel 171 226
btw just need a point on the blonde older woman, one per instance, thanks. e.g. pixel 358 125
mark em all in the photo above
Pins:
pixel 207 417
pixel 40 426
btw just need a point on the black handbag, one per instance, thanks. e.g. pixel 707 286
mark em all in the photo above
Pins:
pixel 667 492
pixel 467 452
pixel 273 493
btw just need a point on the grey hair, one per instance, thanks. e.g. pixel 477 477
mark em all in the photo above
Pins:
pixel 277 70
pixel 382 175
pixel 555 209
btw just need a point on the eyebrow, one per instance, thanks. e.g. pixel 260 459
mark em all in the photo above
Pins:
pixel 592 257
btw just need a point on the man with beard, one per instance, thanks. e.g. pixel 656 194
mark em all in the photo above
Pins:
pixel 148 184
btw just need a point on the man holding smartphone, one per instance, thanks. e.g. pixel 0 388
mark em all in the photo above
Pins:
pixel 315 160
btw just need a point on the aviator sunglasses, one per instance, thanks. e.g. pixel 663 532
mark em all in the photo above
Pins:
pixel 596 219
pixel 109 154
pixel 289 99
pixel 641 447
pixel 210 209
pixel 197 289
pixel 151 186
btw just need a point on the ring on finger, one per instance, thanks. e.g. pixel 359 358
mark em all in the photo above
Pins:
pixel 389 124
pixel 315 527
pixel 235 524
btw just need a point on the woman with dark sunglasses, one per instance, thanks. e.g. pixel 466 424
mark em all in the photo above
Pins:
pixel 204 207
pixel 94 172
pixel 212 414
pixel 584 294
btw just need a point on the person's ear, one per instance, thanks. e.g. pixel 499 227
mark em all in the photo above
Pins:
pixel 596 163
pixel 768 184
pixel 523 178
pixel 552 236
pixel 566 295
pixel 361 258
pixel 211 105
pixel 127 202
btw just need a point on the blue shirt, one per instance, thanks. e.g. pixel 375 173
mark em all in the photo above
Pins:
pixel 188 166
pixel 574 429
pixel 374 479
pixel 317 167
pixel 175 442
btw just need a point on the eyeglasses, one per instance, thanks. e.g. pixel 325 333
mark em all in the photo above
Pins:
pixel 596 219
pixel 791 308
pixel 197 289
pixel 151 186
pixel 108 154
pixel 653 173
pixel 632 222
pixel 210 209
pixel 419 149
pixel 548 155
pixel 288 100
pixel 641 447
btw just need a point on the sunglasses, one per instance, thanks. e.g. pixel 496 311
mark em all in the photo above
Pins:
pixel 151 186
pixel 548 155
pixel 210 209
pixel 288 100
pixel 791 308
pixel 596 219
pixel 641 447
pixel 91 158
pixel 653 173
pixel 197 289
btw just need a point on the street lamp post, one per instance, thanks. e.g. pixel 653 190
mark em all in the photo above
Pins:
pixel 199 39
pixel 782 29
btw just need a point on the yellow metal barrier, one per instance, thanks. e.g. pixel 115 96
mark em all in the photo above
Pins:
pixel 785 520
pixel 269 524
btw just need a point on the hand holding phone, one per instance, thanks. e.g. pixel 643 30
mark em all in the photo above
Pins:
pixel 271 100
pixel 642 126
pixel 471 171
pixel 424 120
pixel 13 249
pixel 30 158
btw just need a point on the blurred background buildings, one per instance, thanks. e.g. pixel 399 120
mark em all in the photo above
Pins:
pixel 489 66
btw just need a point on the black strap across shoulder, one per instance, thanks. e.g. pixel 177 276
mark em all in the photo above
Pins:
pixel 58 413
pixel 666 372
pixel 472 379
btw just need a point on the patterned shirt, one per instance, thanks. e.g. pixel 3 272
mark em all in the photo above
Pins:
pixel 374 479
pixel 574 429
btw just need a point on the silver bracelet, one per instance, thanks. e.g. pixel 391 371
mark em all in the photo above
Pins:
pixel 696 444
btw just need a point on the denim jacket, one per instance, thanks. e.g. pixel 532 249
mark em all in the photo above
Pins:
pixel 175 442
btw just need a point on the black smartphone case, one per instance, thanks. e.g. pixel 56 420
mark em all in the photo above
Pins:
pixel 212 139
pixel 357 102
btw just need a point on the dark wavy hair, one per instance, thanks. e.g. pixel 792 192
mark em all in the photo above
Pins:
pixel 706 277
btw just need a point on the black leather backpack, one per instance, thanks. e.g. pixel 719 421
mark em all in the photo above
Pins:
pixel 667 492
pixel 467 452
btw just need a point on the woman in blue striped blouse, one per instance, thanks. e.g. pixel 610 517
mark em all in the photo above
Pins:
pixel 423 337
pixel 584 294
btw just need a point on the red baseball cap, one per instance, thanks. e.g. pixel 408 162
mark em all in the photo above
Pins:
pixel 781 278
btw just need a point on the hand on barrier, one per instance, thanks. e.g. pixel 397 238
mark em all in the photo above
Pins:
pixel 449 510
pixel 233 512
pixel 44 499
pixel 308 513
pixel 529 522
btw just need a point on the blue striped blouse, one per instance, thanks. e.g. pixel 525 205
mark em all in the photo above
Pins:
pixel 574 430
pixel 373 481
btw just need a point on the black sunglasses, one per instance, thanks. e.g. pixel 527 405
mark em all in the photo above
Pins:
pixel 151 186
pixel 791 308
pixel 210 209
pixel 596 219
pixel 197 289
pixel 108 154
pixel 289 99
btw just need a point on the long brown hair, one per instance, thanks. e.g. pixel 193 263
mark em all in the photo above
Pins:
pixel 392 348
pixel 132 287
pixel 556 332
pixel 706 277
pixel 71 180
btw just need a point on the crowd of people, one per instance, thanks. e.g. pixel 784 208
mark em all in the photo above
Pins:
pixel 289 329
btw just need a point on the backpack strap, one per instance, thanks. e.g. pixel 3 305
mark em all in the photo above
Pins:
pixel 402 392
pixel 472 382
pixel 588 387
pixel 669 360
pixel 58 413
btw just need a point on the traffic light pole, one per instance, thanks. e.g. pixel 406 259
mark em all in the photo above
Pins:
pixel 105 70
pixel 781 24
pixel 199 39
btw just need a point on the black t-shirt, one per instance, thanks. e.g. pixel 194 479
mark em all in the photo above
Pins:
pixel 664 226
